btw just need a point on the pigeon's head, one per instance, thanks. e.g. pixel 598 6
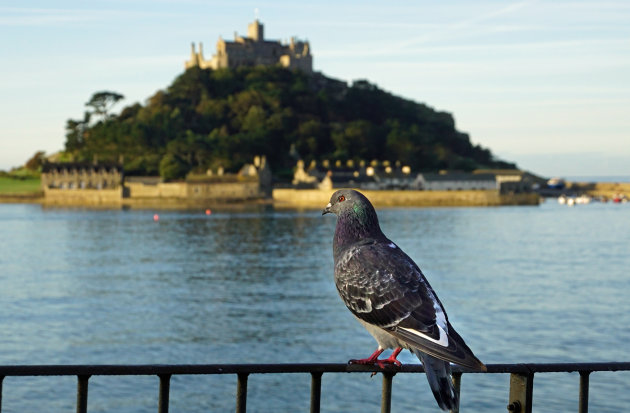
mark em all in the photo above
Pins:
pixel 356 218
pixel 349 201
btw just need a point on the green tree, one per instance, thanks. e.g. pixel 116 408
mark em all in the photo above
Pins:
pixel 77 132
pixel 172 167
pixel 356 139
pixel 36 161
pixel 102 102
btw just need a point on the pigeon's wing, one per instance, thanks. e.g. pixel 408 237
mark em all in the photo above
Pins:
pixel 381 285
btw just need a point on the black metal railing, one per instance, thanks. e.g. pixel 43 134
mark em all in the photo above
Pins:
pixel 520 396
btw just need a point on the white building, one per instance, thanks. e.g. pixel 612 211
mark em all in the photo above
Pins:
pixel 456 182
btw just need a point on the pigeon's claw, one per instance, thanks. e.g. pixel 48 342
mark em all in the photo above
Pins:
pixel 389 361
pixel 373 359
pixel 392 359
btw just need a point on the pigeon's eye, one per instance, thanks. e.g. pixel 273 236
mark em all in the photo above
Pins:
pixel 341 198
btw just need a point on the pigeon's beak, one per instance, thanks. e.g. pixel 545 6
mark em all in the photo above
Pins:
pixel 327 209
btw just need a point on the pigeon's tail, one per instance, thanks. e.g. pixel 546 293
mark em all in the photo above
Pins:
pixel 439 376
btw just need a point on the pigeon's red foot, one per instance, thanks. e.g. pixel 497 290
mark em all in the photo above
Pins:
pixel 391 359
pixel 373 359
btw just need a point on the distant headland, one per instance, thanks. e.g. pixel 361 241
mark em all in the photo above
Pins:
pixel 255 119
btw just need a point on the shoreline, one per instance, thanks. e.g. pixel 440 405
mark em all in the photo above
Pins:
pixel 301 198
pixel 28 198
pixel 293 198
pixel 286 198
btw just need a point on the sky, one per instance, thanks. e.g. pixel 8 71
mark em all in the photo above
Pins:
pixel 545 84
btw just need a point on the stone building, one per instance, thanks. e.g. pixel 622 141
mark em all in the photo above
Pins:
pixel 349 174
pixel 511 181
pixel 387 175
pixel 254 50
pixel 457 181
pixel 81 176
pixel 82 183
pixel 105 184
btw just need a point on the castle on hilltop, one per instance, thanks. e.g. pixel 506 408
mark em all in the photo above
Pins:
pixel 254 50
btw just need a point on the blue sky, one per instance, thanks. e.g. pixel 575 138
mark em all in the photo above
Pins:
pixel 543 83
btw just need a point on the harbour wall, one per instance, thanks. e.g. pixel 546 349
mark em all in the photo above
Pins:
pixel 181 195
pixel 606 189
pixel 315 198
pixel 160 194
pixel 191 194
pixel 83 197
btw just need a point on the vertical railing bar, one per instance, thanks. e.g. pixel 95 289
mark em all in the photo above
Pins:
pixel 165 387
pixel 584 384
pixel 521 392
pixel 82 393
pixel 241 393
pixel 386 394
pixel 457 383
pixel 530 394
pixel 316 391
pixel 1 380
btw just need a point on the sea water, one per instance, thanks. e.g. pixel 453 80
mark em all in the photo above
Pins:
pixel 520 284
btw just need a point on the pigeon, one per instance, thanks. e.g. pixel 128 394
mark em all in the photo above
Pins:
pixel 388 294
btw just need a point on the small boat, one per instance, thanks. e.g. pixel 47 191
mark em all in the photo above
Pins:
pixel 556 183
pixel 583 199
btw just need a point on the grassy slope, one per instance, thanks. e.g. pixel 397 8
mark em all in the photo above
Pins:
pixel 11 186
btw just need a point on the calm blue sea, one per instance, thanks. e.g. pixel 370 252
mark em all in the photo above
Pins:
pixel 520 284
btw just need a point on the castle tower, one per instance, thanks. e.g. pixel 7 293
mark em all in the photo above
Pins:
pixel 255 31
pixel 254 50
pixel 194 59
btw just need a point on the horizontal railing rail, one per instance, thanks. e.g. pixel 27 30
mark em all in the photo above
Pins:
pixel 520 397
